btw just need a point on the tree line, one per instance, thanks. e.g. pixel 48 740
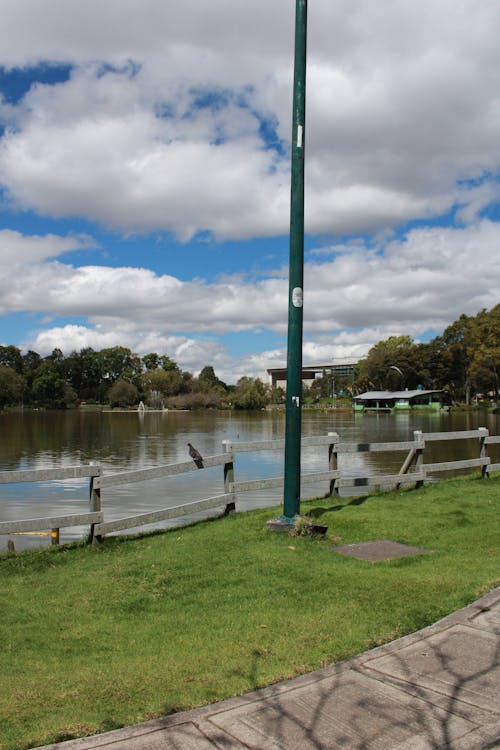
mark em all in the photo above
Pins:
pixel 118 377
pixel 464 360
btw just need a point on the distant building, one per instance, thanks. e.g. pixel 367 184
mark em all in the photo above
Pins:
pixel 402 400
pixel 277 375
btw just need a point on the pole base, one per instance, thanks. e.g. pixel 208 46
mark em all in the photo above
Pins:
pixel 282 523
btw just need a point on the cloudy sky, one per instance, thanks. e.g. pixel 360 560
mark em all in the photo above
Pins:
pixel 145 175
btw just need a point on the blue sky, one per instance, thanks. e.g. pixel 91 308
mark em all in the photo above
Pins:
pixel 144 175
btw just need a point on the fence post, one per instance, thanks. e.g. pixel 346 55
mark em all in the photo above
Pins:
pixel 483 450
pixel 227 447
pixel 333 461
pixel 419 454
pixel 408 461
pixel 94 505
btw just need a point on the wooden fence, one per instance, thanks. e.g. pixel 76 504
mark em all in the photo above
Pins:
pixel 54 523
pixel 413 470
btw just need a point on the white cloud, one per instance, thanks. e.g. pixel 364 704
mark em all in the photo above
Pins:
pixel 122 29
pixel 431 275
pixel 190 354
pixel 422 281
pixel 177 120
pixel 95 146
pixel 17 249
pixel 398 113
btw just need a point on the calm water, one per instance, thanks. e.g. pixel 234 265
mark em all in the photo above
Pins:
pixel 123 441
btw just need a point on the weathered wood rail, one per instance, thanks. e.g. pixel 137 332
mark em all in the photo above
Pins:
pixel 225 500
pixel 413 470
pixel 54 523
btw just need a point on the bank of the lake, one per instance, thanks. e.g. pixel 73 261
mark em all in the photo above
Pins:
pixel 97 638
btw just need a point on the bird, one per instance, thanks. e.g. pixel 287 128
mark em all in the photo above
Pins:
pixel 196 456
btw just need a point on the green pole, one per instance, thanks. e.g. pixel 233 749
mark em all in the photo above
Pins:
pixel 291 502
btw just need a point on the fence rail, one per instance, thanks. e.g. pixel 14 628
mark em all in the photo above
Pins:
pixel 412 471
pixel 55 522
pixel 157 472
pixel 42 475
pixel 374 447
pixel 492 440
pixel 263 484
pixel 161 515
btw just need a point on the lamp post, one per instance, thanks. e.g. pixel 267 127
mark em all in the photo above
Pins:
pixel 291 499
pixel 396 369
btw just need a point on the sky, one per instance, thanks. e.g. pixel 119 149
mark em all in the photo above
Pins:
pixel 145 175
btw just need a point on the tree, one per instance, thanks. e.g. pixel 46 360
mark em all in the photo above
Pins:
pixel 167 364
pixel 118 363
pixel 456 358
pixel 151 361
pixel 166 383
pixel 11 356
pixel 84 371
pixel 322 387
pixel 389 364
pixel 278 395
pixel 187 381
pixel 122 393
pixel 11 386
pixel 251 393
pixel 56 356
pixel 483 349
pixel 208 377
pixel 49 389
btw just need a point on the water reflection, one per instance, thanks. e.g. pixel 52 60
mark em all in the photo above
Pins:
pixel 126 441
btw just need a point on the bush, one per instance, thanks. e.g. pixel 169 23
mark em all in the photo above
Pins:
pixel 122 394
pixel 251 393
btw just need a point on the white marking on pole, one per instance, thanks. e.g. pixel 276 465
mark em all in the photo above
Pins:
pixel 297 297
pixel 300 131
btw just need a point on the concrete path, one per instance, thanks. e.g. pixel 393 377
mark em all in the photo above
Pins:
pixel 435 689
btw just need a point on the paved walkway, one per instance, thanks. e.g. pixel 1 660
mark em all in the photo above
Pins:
pixel 435 689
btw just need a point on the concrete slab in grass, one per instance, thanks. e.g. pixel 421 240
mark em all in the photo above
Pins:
pixel 379 550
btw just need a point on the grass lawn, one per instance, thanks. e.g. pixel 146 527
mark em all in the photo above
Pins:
pixel 93 639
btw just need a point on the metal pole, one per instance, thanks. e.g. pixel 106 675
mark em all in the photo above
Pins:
pixel 291 502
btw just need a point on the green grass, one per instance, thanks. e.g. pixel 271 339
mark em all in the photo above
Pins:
pixel 98 638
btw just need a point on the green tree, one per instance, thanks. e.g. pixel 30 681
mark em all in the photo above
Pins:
pixel 484 351
pixel 11 356
pixel 122 393
pixel 31 362
pixel 151 361
pixel 167 364
pixel 49 389
pixel 456 358
pixel 166 383
pixel 187 381
pixel 56 356
pixel 251 393
pixel 83 371
pixel 11 386
pixel 118 363
pixel 209 379
pixel 278 395
pixel 322 388
pixel 389 364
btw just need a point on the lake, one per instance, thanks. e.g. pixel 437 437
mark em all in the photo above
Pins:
pixel 120 441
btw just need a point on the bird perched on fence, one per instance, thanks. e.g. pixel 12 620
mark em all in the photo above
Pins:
pixel 196 456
